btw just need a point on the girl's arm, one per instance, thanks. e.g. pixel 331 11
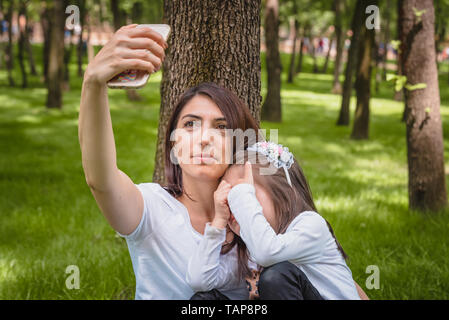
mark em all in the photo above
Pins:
pixel 303 242
pixel 115 193
pixel 207 268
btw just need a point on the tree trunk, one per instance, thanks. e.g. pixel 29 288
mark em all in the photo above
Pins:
pixel 425 149
pixel 45 23
pixel 210 41
pixel 357 23
pixel 339 35
pixel 291 69
pixel 80 47
pixel 67 56
pixel 326 62
pixel 271 108
pixel 22 37
pixel 301 52
pixel 29 49
pixel 399 95
pixel 56 56
pixel 9 47
pixel 360 129
pixel 386 39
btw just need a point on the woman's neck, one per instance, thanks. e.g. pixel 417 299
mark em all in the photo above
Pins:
pixel 198 197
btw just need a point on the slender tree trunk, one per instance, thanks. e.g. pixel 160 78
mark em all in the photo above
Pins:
pixel 357 23
pixel 313 52
pixel 326 62
pixel 271 108
pixel 67 55
pixel 399 95
pixel 340 39
pixel 29 49
pixel 56 56
pixel 386 39
pixel 22 37
pixel 425 149
pixel 46 27
pixel 360 129
pixel 210 41
pixel 9 47
pixel 291 69
pixel 301 52
pixel 80 46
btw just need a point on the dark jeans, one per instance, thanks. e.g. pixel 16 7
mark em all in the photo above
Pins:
pixel 281 281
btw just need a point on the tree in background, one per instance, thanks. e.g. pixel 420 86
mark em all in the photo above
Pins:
pixel 9 46
pixel 56 55
pixel 210 41
pixel 271 108
pixel 357 22
pixel 339 8
pixel 425 150
pixel 360 128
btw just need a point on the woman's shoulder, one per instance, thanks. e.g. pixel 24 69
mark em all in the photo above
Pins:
pixel 152 191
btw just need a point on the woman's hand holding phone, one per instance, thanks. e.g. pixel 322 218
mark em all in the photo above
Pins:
pixel 129 48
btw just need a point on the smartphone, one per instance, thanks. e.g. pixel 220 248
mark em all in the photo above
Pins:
pixel 135 79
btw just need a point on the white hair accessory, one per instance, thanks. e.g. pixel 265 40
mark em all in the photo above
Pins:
pixel 276 154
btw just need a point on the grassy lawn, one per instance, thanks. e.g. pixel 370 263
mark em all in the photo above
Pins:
pixel 50 220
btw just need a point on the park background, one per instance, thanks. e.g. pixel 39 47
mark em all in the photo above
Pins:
pixel 49 219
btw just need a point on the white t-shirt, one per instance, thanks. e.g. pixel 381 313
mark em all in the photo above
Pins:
pixel 307 243
pixel 161 245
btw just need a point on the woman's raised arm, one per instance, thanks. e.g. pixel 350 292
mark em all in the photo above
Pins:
pixel 115 193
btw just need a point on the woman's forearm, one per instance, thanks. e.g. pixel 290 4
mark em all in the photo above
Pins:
pixel 96 135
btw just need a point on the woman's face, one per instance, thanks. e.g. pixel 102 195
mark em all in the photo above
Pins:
pixel 200 140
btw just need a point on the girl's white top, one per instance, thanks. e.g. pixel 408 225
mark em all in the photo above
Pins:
pixel 161 245
pixel 307 243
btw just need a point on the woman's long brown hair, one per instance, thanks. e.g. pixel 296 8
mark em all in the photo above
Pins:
pixel 289 201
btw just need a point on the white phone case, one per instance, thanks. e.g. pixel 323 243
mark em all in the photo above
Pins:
pixel 135 79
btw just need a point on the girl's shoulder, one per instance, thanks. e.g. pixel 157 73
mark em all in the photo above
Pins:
pixel 309 218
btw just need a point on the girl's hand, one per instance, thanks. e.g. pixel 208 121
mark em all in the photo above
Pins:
pixel 222 212
pixel 234 225
pixel 129 48
pixel 247 175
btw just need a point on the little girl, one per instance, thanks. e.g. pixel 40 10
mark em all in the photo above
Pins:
pixel 275 217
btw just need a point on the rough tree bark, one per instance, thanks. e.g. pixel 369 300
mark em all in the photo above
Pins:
pixel 55 71
pixel 360 128
pixel 271 108
pixel 425 150
pixel 357 22
pixel 210 41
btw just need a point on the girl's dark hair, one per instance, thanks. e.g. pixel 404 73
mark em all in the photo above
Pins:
pixel 290 200
pixel 235 112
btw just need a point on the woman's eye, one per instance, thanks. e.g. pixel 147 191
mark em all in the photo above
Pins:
pixel 192 124
pixel 221 126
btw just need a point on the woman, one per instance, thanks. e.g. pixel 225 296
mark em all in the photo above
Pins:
pixel 162 225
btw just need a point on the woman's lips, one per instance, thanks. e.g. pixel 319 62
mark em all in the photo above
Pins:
pixel 204 158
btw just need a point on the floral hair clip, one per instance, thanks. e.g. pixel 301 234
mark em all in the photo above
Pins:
pixel 276 154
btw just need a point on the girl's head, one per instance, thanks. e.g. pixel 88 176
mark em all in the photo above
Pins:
pixel 195 134
pixel 281 202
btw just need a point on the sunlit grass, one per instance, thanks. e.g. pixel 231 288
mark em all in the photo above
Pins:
pixel 49 219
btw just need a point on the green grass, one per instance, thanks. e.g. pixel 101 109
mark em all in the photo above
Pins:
pixel 50 220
